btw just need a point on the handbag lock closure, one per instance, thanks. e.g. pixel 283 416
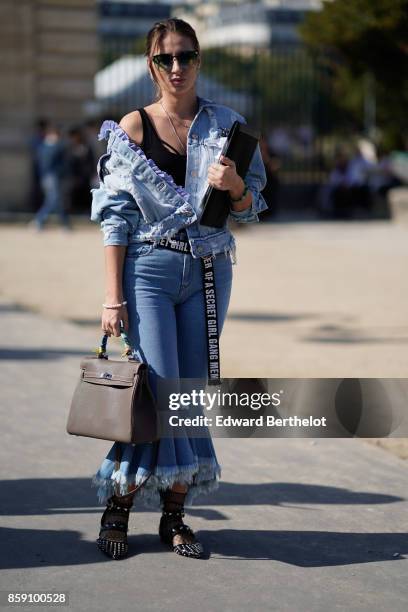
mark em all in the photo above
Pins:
pixel 105 375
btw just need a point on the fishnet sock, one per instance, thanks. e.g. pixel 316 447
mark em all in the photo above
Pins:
pixel 173 501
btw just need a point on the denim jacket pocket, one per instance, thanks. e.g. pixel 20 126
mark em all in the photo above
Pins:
pixel 213 146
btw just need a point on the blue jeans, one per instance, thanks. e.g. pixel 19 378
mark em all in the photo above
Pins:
pixel 167 328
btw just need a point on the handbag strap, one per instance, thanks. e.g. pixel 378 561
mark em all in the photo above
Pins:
pixel 117 466
pixel 211 321
pixel 128 352
pixel 210 297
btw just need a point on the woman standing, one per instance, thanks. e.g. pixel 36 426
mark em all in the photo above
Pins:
pixel 159 162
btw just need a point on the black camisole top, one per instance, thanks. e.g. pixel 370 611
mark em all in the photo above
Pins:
pixel 153 147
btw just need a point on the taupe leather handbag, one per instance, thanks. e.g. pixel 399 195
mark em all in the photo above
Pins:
pixel 113 399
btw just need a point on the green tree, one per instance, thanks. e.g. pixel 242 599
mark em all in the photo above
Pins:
pixel 364 39
pixel 283 83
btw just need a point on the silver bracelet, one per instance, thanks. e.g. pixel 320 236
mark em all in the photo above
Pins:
pixel 115 305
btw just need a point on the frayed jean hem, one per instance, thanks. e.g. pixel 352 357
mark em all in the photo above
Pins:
pixel 200 479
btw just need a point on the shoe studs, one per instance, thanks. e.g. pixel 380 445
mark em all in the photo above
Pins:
pixel 194 550
pixel 168 530
pixel 115 550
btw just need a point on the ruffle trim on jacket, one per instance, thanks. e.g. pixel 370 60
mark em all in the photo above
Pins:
pixel 111 126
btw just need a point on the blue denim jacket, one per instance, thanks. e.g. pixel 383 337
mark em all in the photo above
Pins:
pixel 137 201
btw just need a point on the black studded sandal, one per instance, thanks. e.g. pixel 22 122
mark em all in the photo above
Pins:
pixel 171 525
pixel 112 538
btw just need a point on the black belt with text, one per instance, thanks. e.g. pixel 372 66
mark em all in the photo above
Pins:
pixel 213 347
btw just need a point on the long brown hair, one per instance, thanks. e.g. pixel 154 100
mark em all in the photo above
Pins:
pixel 159 31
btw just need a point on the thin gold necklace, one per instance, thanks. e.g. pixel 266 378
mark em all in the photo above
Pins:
pixel 178 120
pixel 172 125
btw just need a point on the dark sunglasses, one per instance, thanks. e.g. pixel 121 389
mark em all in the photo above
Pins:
pixel 185 59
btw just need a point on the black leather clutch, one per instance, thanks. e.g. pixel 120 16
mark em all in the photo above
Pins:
pixel 240 147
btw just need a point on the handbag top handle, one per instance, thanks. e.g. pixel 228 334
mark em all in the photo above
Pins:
pixel 128 352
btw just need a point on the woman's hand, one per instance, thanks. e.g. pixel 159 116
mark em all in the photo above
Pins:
pixel 224 175
pixel 111 318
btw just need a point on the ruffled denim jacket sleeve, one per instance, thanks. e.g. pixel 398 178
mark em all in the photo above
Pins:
pixel 113 206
